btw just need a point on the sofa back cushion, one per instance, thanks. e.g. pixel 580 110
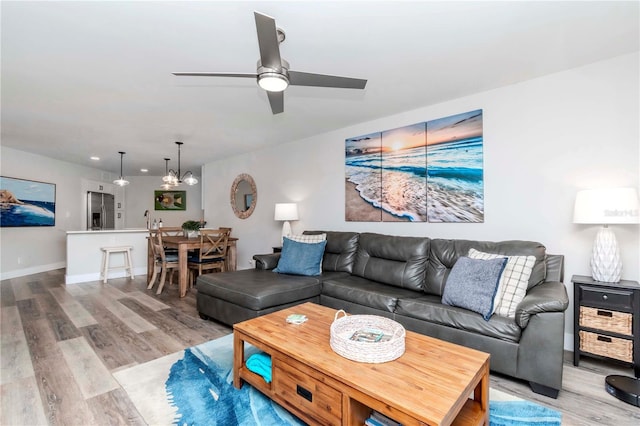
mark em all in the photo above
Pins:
pixel 393 260
pixel 340 252
pixel 445 253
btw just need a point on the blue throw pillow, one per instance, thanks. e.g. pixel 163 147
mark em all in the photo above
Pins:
pixel 300 258
pixel 472 284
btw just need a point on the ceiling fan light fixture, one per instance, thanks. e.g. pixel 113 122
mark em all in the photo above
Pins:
pixel 273 82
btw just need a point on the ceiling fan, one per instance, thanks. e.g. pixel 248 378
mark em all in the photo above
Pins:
pixel 273 73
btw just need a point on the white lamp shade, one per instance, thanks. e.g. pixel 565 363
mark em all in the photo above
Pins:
pixel 607 206
pixel 286 211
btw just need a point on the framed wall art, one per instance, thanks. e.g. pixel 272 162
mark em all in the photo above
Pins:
pixel 170 200
pixel 27 203
pixel 425 172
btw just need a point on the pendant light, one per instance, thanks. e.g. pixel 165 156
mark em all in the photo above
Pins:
pixel 168 179
pixel 174 178
pixel 121 181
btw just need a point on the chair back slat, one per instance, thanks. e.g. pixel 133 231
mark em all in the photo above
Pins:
pixel 171 231
pixel 216 240
pixel 152 243
pixel 157 247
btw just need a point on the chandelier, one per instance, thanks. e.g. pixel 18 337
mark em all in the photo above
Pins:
pixel 172 178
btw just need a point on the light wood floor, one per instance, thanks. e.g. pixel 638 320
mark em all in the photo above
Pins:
pixel 60 344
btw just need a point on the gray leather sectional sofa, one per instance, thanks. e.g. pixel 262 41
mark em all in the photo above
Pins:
pixel 403 278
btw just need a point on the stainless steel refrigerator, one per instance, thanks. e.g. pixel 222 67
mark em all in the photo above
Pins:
pixel 100 211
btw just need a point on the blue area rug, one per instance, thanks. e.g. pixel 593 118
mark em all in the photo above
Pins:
pixel 195 387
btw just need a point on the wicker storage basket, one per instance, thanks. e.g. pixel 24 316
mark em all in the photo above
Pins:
pixel 602 319
pixel 342 329
pixel 611 347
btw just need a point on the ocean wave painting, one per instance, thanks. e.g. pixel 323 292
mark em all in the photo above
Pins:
pixel 455 175
pixel 430 171
pixel 27 203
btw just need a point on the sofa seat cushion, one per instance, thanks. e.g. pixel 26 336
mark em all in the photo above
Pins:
pixel 258 289
pixel 365 292
pixel 430 308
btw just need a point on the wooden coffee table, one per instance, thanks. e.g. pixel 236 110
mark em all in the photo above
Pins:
pixel 430 384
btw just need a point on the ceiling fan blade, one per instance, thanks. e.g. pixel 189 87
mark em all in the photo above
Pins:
pixel 297 78
pixel 276 99
pixel 268 41
pixel 215 74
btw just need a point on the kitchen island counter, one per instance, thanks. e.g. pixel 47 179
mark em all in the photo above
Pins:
pixel 84 256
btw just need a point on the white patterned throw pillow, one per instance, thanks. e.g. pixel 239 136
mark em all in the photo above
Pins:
pixel 513 283
pixel 308 238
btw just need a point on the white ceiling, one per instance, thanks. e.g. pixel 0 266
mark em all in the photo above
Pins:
pixel 94 78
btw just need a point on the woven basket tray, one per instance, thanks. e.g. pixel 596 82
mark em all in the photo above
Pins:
pixel 342 329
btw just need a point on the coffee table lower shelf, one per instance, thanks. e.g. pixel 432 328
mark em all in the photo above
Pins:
pixel 312 391
pixel 353 411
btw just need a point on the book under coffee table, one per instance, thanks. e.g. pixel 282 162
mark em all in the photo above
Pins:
pixel 429 384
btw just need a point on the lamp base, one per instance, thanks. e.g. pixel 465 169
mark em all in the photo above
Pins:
pixel 606 265
pixel 286 230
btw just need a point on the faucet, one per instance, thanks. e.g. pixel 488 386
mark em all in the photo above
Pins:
pixel 148 216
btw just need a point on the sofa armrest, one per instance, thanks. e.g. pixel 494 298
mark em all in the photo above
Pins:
pixel 266 261
pixel 550 296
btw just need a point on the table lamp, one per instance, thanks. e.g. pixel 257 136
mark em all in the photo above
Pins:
pixel 606 207
pixel 286 212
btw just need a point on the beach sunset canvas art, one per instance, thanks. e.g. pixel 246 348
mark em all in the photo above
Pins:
pixel 363 198
pixel 455 173
pixel 404 185
pixel 430 171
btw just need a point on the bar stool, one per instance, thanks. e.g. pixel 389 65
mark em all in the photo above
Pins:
pixel 128 264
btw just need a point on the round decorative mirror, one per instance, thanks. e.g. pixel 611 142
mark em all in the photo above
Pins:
pixel 244 196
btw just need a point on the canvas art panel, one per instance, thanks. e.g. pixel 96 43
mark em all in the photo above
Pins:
pixel 404 184
pixel 363 178
pixel 170 200
pixel 27 203
pixel 430 171
pixel 455 183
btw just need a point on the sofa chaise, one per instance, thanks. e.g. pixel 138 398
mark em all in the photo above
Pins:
pixel 404 278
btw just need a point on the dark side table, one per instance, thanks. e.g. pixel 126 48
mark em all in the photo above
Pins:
pixel 607 326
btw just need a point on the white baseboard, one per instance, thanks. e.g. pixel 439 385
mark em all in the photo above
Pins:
pixel 33 270
pixel 95 276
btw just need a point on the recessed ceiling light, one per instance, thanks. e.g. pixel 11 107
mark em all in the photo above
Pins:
pixel 144 170
pixel 94 158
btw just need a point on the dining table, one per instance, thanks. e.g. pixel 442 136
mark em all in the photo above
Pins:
pixel 184 244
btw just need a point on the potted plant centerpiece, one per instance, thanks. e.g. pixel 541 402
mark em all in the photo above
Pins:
pixel 191 228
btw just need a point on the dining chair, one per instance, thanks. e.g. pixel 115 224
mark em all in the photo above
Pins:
pixel 212 257
pixel 171 231
pixel 161 261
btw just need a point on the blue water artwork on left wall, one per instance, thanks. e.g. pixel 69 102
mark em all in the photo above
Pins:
pixel 27 203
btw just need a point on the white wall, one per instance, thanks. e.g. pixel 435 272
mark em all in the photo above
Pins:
pixel 544 139
pixel 30 250
pixel 141 199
